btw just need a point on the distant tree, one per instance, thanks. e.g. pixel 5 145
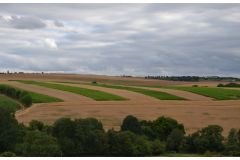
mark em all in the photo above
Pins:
pixel 220 85
pixel 131 123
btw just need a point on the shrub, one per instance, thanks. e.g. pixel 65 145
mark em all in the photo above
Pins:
pixel 17 94
pixel 8 154
pixel 26 100
pixel 23 94
pixel 220 85
pixel 131 123
pixel 195 86
pixel 208 154
pixel 94 82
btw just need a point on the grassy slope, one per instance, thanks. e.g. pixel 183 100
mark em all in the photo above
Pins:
pixel 94 94
pixel 156 94
pixel 217 93
pixel 5 102
pixel 39 98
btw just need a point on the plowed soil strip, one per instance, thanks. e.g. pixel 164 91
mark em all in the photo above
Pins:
pixel 184 94
pixel 66 96
pixel 123 93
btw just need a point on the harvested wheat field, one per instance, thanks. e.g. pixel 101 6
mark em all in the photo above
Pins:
pixel 194 115
pixel 198 112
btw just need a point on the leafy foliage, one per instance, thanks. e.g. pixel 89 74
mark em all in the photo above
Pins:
pixel 174 140
pixel 8 154
pixel 9 131
pixel 209 138
pixel 162 127
pixel 38 144
pixel 131 123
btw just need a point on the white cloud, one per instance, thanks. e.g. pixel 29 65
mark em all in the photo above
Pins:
pixel 50 43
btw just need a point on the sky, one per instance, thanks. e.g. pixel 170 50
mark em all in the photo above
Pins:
pixel 137 39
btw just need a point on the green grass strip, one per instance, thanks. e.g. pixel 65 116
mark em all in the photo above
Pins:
pixel 156 94
pixel 5 102
pixel 94 94
pixel 39 98
pixel 217 93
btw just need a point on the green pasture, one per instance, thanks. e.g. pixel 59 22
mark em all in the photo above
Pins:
pixel 39 98
pixel 94 94
pixel 156 94
pixel 5 102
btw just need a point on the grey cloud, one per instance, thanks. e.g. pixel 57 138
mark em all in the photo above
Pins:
pixel 139 39
pixel 58 24
pixel 27 22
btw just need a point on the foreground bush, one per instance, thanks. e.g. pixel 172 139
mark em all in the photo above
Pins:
pixel 8 154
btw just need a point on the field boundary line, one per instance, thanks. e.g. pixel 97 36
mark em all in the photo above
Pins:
pixel 22 107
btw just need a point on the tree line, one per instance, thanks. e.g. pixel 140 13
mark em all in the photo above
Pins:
pixel 24 97
pixel 86 137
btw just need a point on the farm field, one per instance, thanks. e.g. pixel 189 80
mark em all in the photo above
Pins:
pixel 38 98
pixel 182 94
pixel 193 114
pixel 94 94
pixel 7 102
pixel 156 94
pixel 217 93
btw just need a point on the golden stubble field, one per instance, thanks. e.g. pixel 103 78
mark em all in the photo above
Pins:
pixel 193 114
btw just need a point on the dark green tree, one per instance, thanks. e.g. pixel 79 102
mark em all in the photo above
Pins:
pixel 125 143
pixel 9 131
pixel 209 138
pixel 38 144
pixel 162 127
pixel 174 140
pixel 131 123
pixel 35 124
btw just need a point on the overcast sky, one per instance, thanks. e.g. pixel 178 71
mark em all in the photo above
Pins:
pixel 121 39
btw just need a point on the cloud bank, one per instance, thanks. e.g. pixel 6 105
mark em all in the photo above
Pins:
pixel 117 39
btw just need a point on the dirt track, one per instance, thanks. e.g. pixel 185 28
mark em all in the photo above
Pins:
pixel 66 96
pixel 193 114
pixel 183 94
pixel 123 93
